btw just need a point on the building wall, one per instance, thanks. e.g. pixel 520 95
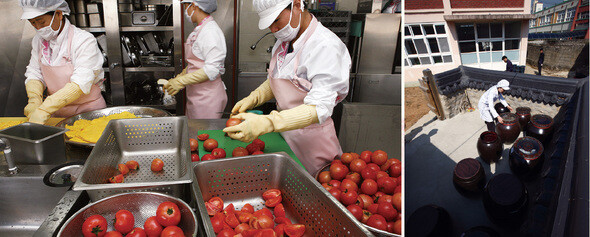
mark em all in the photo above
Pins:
pixel 423 4
pixel 554 26
pixel 488 4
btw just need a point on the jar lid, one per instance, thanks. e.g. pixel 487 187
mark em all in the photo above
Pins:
pixel 509 118
pixel 542 121
pixel 467 168
pixel 523 110
pixel 488 137
pixel 505 189
pixel 528 147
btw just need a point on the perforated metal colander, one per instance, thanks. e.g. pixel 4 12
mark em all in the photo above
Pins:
pixel 242 180
pixel 142 140
pixel 142 204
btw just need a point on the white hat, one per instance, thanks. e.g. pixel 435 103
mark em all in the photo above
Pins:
pixel 504 84
pixel 269 10
pixel 35 8
pixel 208 6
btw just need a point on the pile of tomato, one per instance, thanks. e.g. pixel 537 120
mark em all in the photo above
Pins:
pixel 256 147
pixel 369 185
pixel 163 224
pixel 249 223
pixel 132 166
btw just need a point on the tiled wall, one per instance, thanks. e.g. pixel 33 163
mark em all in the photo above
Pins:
pixel 252 60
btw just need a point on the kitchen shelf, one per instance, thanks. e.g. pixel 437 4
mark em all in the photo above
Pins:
pixel 146 28
pixel 149 69
pixel 94 29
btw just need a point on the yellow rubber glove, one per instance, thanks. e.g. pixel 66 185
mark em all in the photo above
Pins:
pixel 179 82
pixel 35 90
pixel 257 97
pixel 64 96
pixel 254 125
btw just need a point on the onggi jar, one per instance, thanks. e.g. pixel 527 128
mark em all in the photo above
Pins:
pixel 526 156
pixel 540 127
pixel 469 175
pixel 489 147
pixel 500 108
pixel 524 116
pixel 509 130
pixel 505 199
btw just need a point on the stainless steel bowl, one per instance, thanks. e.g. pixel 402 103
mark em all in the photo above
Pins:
pixel 142 204
pixel 143 112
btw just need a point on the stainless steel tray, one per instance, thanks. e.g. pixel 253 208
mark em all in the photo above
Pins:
pixel 36 144
pixel 143 205
pixel 143 112
pixel 141 140
pixel 242 180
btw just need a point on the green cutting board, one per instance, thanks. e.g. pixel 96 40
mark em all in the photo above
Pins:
pixel 274 142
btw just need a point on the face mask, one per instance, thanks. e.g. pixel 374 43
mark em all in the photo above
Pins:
pixel 289 33
pixel 189 17
pixel 47 33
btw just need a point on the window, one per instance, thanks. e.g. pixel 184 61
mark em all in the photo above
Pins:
pixel 560 16
pixel 583 15
pixel 488 42
pixel 569 15
pixel 426 44
pixel 547 20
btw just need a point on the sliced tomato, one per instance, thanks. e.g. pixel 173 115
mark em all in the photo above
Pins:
pixel 232 220
pixel 295 230
pixel 214 205
pixel 266 233
pixel 244 217
pixel 123 169
pixel 250 232
pixel 248 208
pixel 280 230
pixel 273 202
pixel 203 137
pixel 271 193
pixel 117 179
pixel 279 210
pixel 263 211
pixel 282 220
pixel 229 209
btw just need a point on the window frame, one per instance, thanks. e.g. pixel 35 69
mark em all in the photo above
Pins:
pixel 409 58
pixel 491 39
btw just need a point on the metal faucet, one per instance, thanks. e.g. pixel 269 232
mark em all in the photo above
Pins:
pixel 5 146
pixel 253 47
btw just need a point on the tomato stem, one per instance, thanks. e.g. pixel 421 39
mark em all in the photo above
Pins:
pixel 96 230
pixel 170 211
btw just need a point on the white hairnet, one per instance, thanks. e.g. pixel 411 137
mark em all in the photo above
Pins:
pixel 269 10
pixel 208 6
pixel 35 8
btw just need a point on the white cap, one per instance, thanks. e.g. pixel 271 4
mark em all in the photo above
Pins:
pixel 208 6
pixel 35 8
pixel 504 84
pixel 269 10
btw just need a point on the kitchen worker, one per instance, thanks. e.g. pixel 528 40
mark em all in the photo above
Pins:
pixel 486 104
pixel 65 60
pixel 308 76
pixel 509 66
pixel 204 52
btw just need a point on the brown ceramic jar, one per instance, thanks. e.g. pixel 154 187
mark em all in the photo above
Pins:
pixel 469 175
pixel 505 199
pixel 540 127
pixel 509 130
pixel 524 115
pixel 526 156
pixel 489 147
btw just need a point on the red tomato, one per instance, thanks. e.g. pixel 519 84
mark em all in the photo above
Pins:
pixel 259 143
pixel 385 199
pixel 377 221
pixel 248 208
pixel 195 157
pixel 295 230
pixel 279 210
pixel 379 157
pixel 338 171
pixel 271 193
pixel 335 161
pixel 232 122
pixel 390 226
pixel 232 220
pixel 227 233
pixel 336 193
pixel 280 229
pixel 397 201
pixel 397 227
pixel 263 212
pixel 381 174
pixel 395 170
pixel 123 169
pixel 124 221
pixel 273 202
pixel 366 215
pixel 137 232
pixel 218 153
pixel 229 209
pixel 324 177
pixel 168 214
pixel 354 176
pixel 349 185
pixel 369 187
pixel 172 231
pixel 250 233
pixel 217 221
pixel 242 227
pixel 346 158
pixel 112 234
pixel 257 153
pixel 282 220
pixel 95 225
pixel 349 197
pixel 203 137
pixel 357 165
pixel 239 151
pixel 335 184
pixel 244 217
pixel 207 157
pixel 397 189
pixel 356 211
pixel 366 156
pixel 157 165
pixel 152 227
pixel 117 179
pixel 374 167
pixel 251 148
pixel 262 222
pixel 387 211
pixel 355 155
pixel 210 144
pixel 387 184
pixel 388 163
pixel 369 173
pixel 367 200
pixel 266 233
pixel 132 165
pixel 373 208
pixel 194 144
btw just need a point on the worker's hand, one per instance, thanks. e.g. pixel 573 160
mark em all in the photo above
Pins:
pixel 39 116
pixel 243 105
pixel 510 108
pixel 173 86
pixel 252 127
pixel 500 119
pixel 31 107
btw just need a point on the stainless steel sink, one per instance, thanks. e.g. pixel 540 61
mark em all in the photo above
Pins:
pixel 25 201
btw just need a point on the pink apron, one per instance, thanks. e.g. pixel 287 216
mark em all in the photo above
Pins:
pixel 315 145
pixel 56 77
pixel 204 100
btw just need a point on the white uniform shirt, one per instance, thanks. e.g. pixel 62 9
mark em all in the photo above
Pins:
pixel 85 55
pixel 486 103
pixel 210 46
pixel 325 62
